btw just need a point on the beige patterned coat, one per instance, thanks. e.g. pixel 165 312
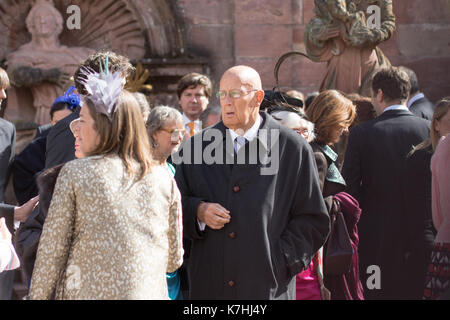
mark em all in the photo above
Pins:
pixel 107 236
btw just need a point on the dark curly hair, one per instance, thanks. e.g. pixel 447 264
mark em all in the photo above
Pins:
pixel 116 62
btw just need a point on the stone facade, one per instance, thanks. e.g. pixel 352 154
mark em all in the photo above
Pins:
pixel 258 32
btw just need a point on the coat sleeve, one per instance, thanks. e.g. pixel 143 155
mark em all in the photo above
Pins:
pixel 55 242
pixel 351 170
pixel 58 139
pixel 6 210
pixel 175 231
pixel 190 204
pixel 309 223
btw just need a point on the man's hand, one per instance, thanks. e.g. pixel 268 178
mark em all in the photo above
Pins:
pixel 4 232
pixel 21 213
pixel 213 214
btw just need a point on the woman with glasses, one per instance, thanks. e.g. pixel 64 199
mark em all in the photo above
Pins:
pixel 165 128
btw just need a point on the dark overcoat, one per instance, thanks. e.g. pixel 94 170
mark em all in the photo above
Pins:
pixel 423 108
pixel 7 153
pixel 278 219
pixel 374 169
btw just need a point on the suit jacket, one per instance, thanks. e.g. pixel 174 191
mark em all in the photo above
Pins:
pixel 60 142
pixel 7 152
pixel 375 170
pixel 278 221
pixel 28 164
pixel 423 108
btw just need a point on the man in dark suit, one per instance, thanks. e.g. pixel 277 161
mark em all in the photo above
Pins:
pixel 251 199
pixel 12 214
pixel 374 171
pixel 418 104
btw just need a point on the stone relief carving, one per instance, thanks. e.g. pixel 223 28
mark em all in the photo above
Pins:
pixel 340 35
pixel 44 65
pixel 136 28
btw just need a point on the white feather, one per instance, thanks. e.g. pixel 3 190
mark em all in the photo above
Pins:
pixel 103 89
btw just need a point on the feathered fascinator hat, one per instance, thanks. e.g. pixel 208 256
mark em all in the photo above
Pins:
pixel 104 88
pixel 72 99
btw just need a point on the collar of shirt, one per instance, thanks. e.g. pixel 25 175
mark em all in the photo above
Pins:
pixel 415 98
pixel 251 133
pixel 197 123
pixel 396 107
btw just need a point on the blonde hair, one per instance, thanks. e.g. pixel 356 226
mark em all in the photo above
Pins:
pixel 441 109
pixel 329 110
pixel 4 80
pixel 125 135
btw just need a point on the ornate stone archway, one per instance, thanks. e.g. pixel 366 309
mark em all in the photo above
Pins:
pixel 138 28
pixel 146 31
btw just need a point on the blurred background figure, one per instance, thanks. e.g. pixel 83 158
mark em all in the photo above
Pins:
pixel 309 99
pixel 211 116
pixel 295 120
pixel 194 91
pixel 418 104
pixel 143 104
pixel 296 94
pixel 31 161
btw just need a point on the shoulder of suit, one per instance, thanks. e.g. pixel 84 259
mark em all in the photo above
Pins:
pixel 7 125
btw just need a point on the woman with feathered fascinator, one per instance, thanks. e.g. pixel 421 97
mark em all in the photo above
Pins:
pixel 114 225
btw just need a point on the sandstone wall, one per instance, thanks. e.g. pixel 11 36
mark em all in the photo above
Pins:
pixel 258 32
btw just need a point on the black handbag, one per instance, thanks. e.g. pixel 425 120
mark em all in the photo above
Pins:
pixel 338 253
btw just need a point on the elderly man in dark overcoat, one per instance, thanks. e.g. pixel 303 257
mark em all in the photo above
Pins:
pixel 252 204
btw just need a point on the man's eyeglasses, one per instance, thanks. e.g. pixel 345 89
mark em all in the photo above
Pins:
pixel 233 93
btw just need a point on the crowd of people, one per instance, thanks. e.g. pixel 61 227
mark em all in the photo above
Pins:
pixel 269 196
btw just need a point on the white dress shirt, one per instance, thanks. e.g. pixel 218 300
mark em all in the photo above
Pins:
pixel 396 107
pixel 418 96
pixel 197 124
pixel 249 135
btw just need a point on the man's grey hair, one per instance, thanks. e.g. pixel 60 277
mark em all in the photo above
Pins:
pixel 159 117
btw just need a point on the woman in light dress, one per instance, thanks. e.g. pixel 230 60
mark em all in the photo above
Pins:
pixel 114 225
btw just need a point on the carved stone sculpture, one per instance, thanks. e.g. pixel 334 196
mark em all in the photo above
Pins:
pixel 340 35
pixel 44 65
